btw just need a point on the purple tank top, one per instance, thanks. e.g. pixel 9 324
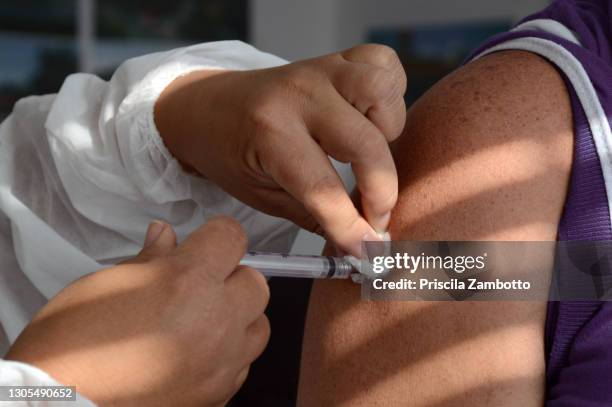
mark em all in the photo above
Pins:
pixel 576 37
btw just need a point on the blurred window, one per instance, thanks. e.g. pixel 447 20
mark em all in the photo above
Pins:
pixel 430 52
pixel 43 41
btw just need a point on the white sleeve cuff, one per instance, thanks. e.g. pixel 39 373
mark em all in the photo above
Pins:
pixel 21 374
pixel 154 170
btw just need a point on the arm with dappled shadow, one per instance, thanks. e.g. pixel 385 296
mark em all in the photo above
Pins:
pixel 485 155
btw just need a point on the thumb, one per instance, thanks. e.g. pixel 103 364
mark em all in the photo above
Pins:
pixel 160 240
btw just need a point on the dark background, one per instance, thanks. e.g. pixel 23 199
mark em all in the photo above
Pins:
pixel 39 38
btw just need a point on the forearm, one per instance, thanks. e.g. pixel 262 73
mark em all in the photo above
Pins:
pixel 181 109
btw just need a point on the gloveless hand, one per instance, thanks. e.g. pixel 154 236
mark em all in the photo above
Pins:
pixel 176 326
pixel 265 137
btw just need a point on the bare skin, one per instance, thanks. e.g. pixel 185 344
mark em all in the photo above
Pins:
pixel 485 155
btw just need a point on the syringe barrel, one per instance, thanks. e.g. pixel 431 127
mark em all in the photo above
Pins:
pixel 284 265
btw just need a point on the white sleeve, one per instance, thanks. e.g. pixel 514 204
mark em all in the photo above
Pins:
pixel 21 374
pixel 83 172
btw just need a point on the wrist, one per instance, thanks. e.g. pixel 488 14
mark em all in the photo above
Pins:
pixel 178 114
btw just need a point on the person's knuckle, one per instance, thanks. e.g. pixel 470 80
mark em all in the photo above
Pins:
pixel 397 121
pixel 261 121
pixel 390 120
pixel 401 79
pixel 259 333
pixel 384 55
pixel 299 81
pixel 369 145
pixel 258 282
pixel 262 288
pixel 262 115
pixel 354 148
pixel 378 86
pixel 377 54
pixel 389 114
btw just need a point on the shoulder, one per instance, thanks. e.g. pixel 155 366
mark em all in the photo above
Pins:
pixel 495 138
pixel 505 95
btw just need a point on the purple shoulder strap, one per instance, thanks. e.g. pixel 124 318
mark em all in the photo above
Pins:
pixel 579 334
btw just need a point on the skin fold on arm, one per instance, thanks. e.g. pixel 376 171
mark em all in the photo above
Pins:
pixel 486 155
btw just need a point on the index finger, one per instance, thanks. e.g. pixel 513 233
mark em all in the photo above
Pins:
pixel 308 175
pixel 374 81
pixel 351 137
pixel 214 249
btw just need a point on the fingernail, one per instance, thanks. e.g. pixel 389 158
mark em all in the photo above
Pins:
pixel 357 248
pixel 385 236
pixel 372 237
pixel 382 223
pixel 154 231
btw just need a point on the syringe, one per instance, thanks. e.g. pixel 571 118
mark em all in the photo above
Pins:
pixel 285 265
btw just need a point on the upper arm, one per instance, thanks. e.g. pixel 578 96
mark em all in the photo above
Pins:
pixel 485 155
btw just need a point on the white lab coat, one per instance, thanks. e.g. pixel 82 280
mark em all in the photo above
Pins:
pixel 83 172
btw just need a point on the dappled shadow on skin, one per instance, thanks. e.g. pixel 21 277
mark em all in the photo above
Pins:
pixel 438 321
pixel 110 331
pixel 433 316
pixel 487 392
pixel 493 219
